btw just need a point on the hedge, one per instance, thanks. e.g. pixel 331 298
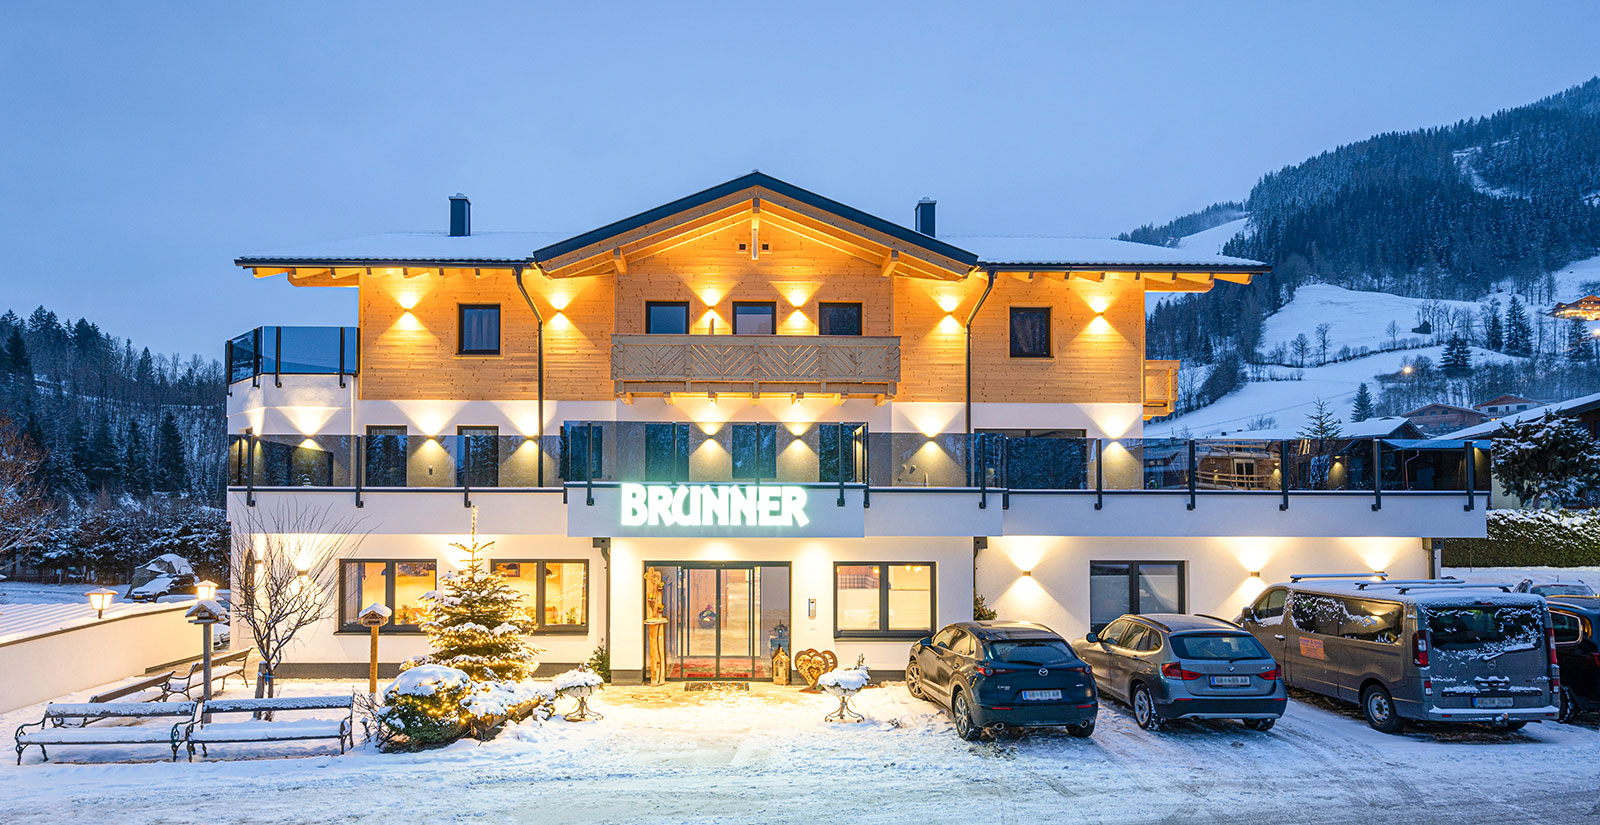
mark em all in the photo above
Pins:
pixel 1531 538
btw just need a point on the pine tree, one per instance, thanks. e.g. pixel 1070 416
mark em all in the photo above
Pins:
pixel 1362 409
pixel 135 463
pixel 171 475
pixel 1578 346
pixel 17 360
pixel 1321 423
pixel 1549 461
pixel 1495 338
pixel 1457 357
pixel 101 463
pixel 1519 333
pixel 476 622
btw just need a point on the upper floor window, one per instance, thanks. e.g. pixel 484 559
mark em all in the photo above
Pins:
pixel 666 317
pixel 755 450
pixel 838 319
pixel 386 457
pixel 1030 332
pixel 480 329
pixel 478 457
pixel 755 317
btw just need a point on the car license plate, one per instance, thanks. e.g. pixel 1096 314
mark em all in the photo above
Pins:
pixel 1041 696
pixel 1230 681
pixel 1491 702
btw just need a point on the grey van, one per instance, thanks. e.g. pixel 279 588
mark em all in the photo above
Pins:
pixel 1435 649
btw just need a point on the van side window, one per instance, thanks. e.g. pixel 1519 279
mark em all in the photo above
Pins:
pixel 1270 604
pixel 1303 612
pixel 1370 621
pixel 1569 628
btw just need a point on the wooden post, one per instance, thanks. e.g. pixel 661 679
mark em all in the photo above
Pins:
pixel 372 667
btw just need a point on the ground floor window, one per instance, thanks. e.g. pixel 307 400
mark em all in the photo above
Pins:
pixel 884 600
pixel 555 593
pixel 1118 587
pixel 396 584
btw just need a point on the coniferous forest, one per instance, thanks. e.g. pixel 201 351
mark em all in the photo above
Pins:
pixel 119 453
pixel 1473 211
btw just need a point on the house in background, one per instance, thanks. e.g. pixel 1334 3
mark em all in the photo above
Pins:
pixel 1435 419
pixel 1504 405
pixel 1586 308
pixel 759 419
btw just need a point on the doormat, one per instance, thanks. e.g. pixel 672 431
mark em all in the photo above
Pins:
pixel 744 686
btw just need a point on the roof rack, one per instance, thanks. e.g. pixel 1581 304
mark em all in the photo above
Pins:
pixel 1408 582
pixel 1148 620
pixel 1218 618
pixel 1303 576
pixel 1402 588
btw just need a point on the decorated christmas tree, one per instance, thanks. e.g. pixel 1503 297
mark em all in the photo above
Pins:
pixel 476 622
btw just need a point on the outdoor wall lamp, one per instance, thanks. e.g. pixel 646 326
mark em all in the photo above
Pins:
pixel 205 591
pixel 99 600
pixel 1255 574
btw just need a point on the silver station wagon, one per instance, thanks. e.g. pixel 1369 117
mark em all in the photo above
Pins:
pixel 1432 649
pixel 1174 666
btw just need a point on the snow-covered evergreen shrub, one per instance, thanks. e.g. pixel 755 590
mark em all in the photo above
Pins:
pixel 1530 538
pixel 423 706
pixel 1548 461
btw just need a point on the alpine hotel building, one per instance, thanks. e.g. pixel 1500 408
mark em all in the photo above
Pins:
pixel 823 429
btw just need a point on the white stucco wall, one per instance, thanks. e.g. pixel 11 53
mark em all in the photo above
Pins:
pixel 91 653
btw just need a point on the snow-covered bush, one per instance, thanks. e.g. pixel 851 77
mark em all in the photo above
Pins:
pixel 1549 461
pixel 844 680
pixel 491 704
pixel 1530 538
pixel 423 706
pixel 577 682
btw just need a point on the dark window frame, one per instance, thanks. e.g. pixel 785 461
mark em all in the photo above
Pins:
pixel 351 624
pixel 395 431
pixel 461 329
pixel 771 306
pixel 1133 584
pixel 1049 333
pixel 648 315
pixel 738 433
pixel 883 631
pixel 464 463
pixel 861 317
pixel 538 606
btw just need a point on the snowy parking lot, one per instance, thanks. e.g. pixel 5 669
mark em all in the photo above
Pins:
pixel 666 755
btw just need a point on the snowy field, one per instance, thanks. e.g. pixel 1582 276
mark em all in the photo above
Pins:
pixel 664 755
pixel 1355 319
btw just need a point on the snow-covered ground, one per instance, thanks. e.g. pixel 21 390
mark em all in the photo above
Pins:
pixel 1355 319
pixel 665 755
pixel 1571 279
pixel 1289 402
pixel 1212 240
pixel 1541 575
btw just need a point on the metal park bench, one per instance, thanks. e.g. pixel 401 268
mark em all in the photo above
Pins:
pixel 203 733
pixel 222 667
pixel 160 680
pixel 65 723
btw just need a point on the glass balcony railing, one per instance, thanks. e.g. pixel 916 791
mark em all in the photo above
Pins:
pixel 832 453
pixel 294 351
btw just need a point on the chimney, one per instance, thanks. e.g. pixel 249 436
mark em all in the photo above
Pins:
pixel 925 216
pixel 460 216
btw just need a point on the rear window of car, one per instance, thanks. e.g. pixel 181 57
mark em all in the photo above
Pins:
pixel 1563 590
pixel 1218 646
pixel 1505 628
pixel 1037 652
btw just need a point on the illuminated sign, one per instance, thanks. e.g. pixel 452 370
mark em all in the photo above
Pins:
pixel 714 505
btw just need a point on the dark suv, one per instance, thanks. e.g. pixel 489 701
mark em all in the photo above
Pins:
pixel 997 675
pixel 1572 619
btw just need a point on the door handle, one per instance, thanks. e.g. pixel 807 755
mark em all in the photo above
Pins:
pixel 1278 636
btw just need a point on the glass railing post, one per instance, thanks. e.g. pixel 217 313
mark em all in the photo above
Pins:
pixel 588 463
pixel 1377 474
pixel 838 458
pixel 250 470
pixel 255 374
pixel 1192 469
pixel 866 466
pixel 358 469
pixel 341 358
pixel 1283 473
pixel 1099 473
pixel 1472 471
pixel 277 357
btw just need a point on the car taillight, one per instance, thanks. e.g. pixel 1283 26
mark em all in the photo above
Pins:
pixel 1172 670
pixel 1084 668
pixel 989 670
pixel 1270 675
pixel 1550 642
pixel 1419 648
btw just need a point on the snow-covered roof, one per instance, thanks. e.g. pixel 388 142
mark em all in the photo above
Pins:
pixel 1381 427
pixel 1091 252
pixel 1571 406
pixel 398 247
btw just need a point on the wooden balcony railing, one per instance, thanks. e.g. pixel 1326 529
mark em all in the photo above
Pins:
pixel 1160 388
pixel 824 364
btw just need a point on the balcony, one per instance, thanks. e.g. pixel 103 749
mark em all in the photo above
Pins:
pixel 279 351
pixel 1160 388
pixel 778 364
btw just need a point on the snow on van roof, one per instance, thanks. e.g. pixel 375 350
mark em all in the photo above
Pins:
pixel 1411 591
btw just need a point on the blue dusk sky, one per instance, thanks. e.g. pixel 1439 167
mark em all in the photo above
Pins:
pixel 145 145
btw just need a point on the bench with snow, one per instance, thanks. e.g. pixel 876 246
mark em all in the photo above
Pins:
pixel 222 667
pixel 203 733
pixel 57 726
pixel 158 681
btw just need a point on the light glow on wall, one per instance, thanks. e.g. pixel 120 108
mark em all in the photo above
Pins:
pixel 308 420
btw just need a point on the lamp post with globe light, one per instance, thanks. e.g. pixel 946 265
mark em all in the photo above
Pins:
pixel 99 600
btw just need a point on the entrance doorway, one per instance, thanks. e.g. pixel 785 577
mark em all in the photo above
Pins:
pixel 725 620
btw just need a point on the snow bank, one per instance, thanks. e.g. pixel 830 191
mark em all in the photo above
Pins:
pixel 498 699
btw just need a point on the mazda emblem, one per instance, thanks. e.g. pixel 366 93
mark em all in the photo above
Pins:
pixel 1044 671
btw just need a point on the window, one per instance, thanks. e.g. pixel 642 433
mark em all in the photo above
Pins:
pixel 1030 332
pixel 945 638
pixel 478 457
pixel 1370 621
pixel 755 451
pixel 1230 646
pixel 883 600
pixel 666 452
pixel 755 317
pixel 1270 605
pixel 841 450
pixel 1113 633
pixel 554 593
pixel 666 317
pixel 838 319
pixel 966 645
pixel 1044 459
pixel 480 329
pixel 386 457
pixel 1569 628
pixel 1120 587
pixel 1136 638
pixel 578 462
pixel 396 584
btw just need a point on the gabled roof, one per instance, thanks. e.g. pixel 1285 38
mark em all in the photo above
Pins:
pixel 1097 253
pixel 1388 426
pixel 1572 406
pixel 402 248
pixel 1443 406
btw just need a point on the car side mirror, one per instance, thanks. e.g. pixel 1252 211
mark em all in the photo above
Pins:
pixel 1092 637
pixel 925 641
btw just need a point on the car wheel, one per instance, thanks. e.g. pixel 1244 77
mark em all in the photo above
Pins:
pixel 962 711
pixel 1144 709
pixel 1378 706
pixel 1083 731
pixel 914 682
pixel 1569 707
pixel 1262 725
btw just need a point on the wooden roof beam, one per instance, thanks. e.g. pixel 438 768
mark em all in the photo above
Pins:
pixel 738 202
pixel 1097 277
pixel 949 266
pixel 1233 277
pixel 619 261
pixel 889 262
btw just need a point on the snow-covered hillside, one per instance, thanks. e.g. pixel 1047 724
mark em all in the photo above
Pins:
pixel 1572 279
pixel 1355 319
pixel 1212 240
